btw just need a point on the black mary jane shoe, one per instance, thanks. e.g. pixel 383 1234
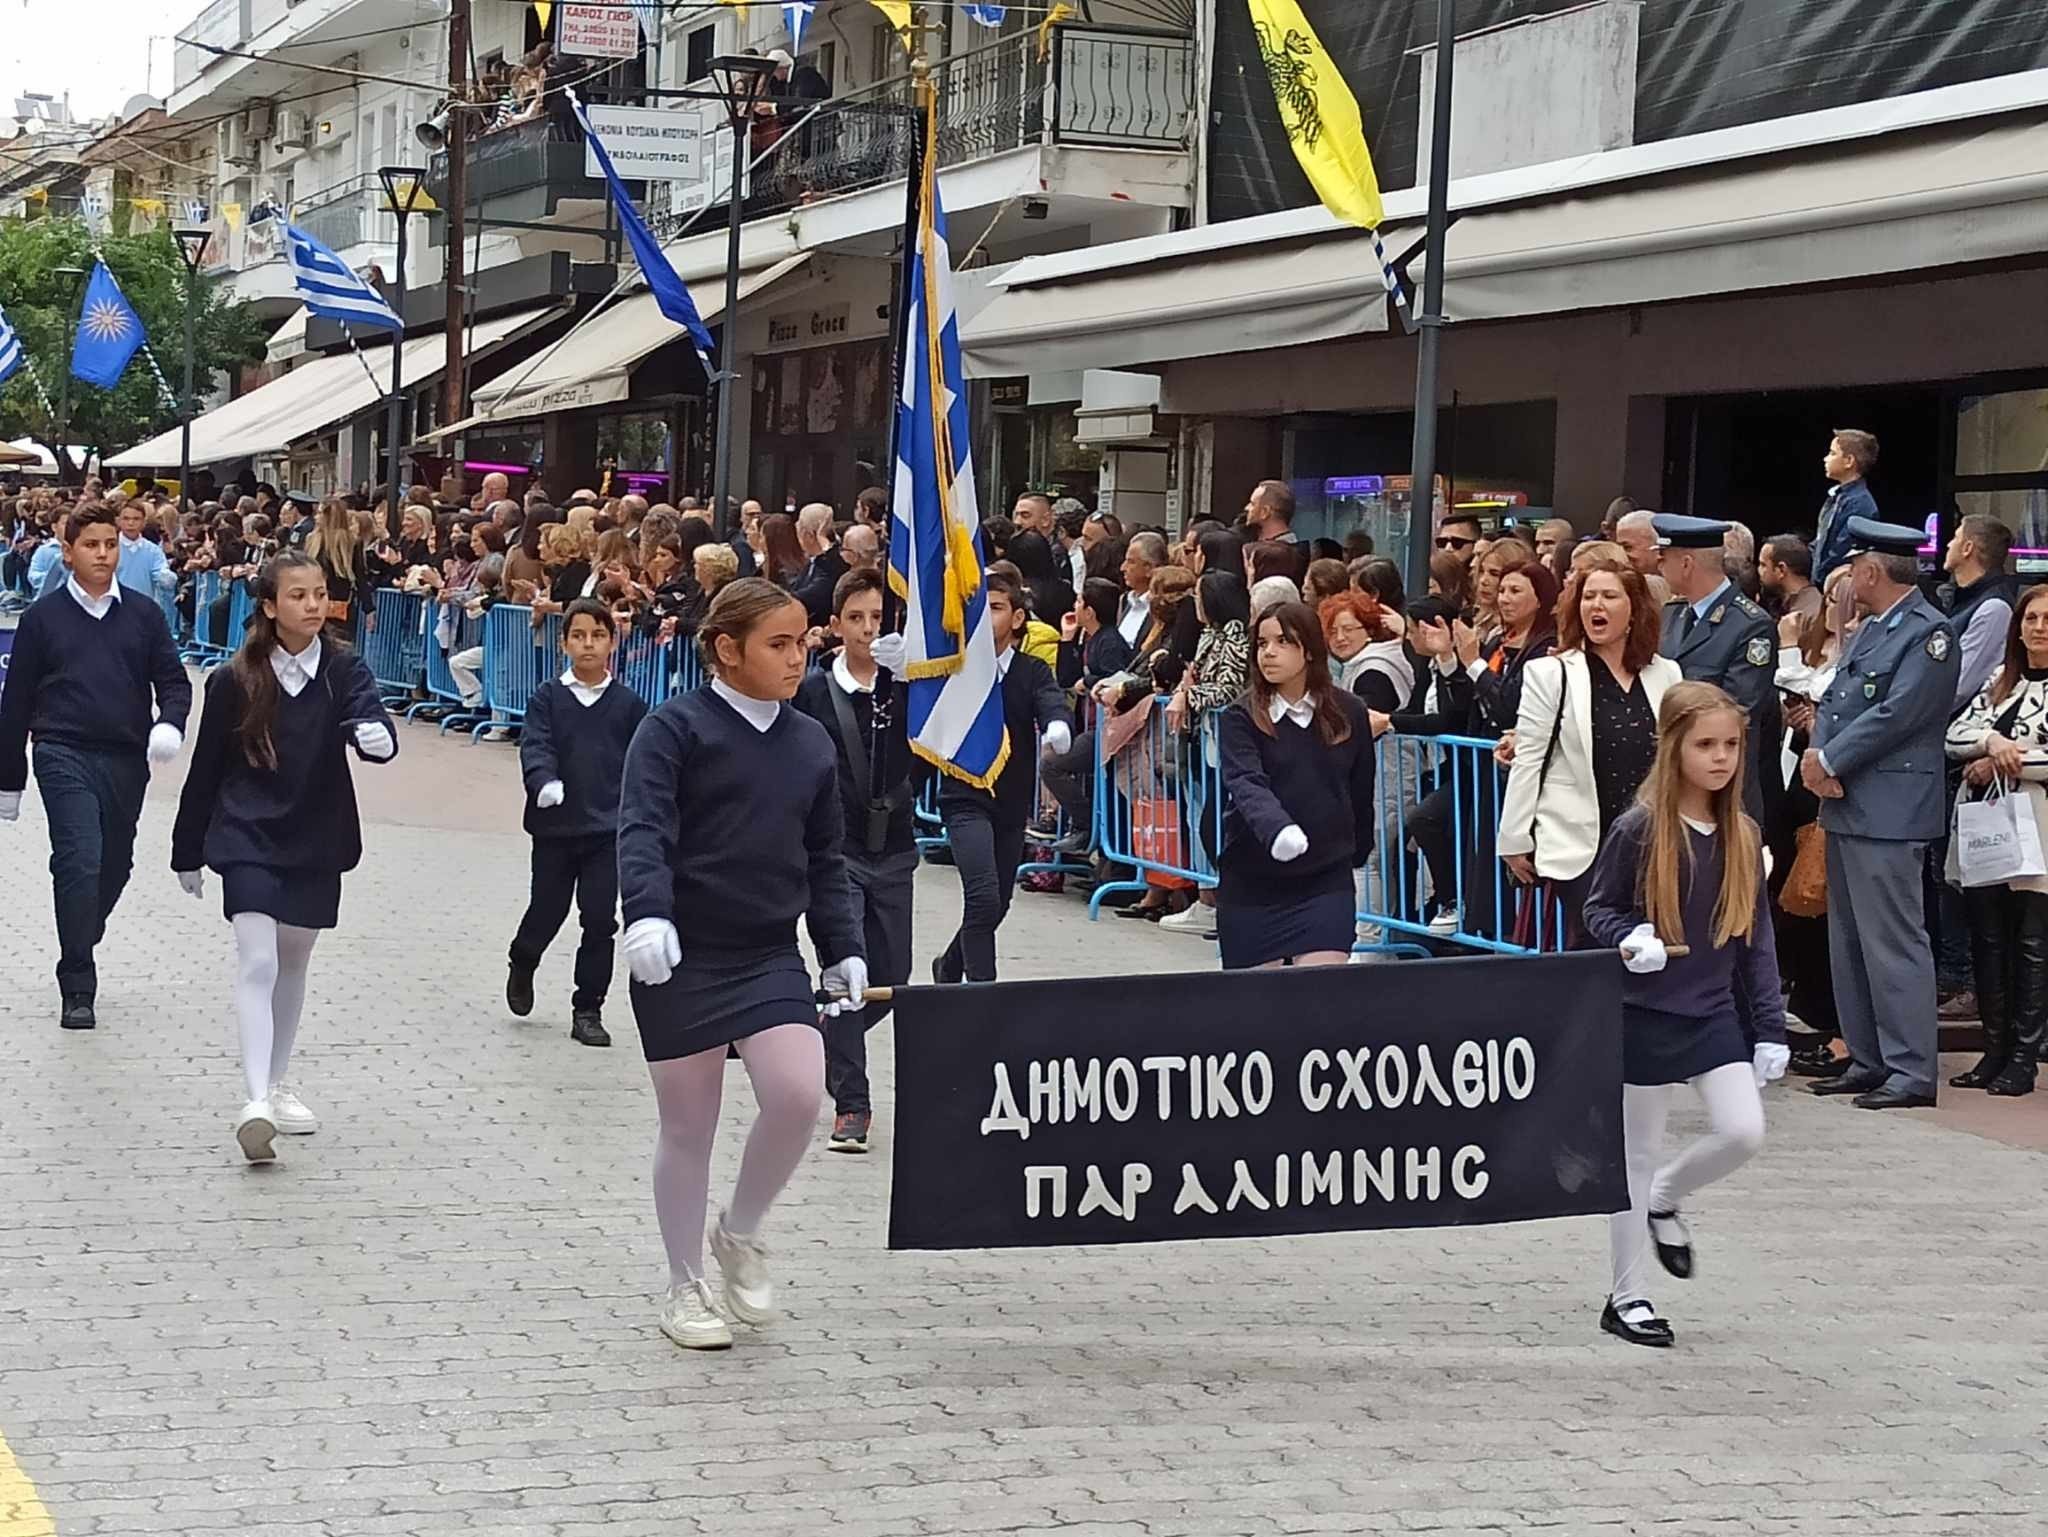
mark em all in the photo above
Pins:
pixel 1642 1326
pixel 1674 1243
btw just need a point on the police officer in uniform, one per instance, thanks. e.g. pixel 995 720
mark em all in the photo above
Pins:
pixel 1876 764
pixel 1717 635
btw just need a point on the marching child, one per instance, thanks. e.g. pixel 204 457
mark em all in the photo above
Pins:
pixel 1684 865
pixel 985 827
pixel 730 828
pixel 270 806
pixel 877 784
pixel 87 660
pixel 572 754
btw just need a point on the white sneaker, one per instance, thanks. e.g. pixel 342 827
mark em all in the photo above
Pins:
pixel 1445 923
pixel 288 1113
pixel 255 1131
pixel 692 1320
pixel 1192 919
pixel 743 1260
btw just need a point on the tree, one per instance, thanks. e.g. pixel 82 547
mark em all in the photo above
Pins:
pixel 152 274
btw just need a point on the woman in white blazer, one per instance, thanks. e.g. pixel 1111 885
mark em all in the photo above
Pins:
pixel 1585 736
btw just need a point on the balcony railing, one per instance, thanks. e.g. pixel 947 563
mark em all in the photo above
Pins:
pixel 347 214
pixel 537 164
pixel 1118 87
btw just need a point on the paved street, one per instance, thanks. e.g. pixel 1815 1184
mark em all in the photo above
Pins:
pixel 437 1315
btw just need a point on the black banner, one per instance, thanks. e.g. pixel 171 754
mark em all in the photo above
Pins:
pixel 1135 1109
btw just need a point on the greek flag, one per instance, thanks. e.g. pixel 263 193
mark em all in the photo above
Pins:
pixel 955 702
pixel 329 286
pixel 10 349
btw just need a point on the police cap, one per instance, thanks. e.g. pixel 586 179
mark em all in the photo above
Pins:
pixel 303 500
pixel 1867 536
pixel 1681 533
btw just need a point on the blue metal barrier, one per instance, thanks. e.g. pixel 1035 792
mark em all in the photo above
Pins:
pixel 1159 805
pixel 928 819
pixel 463 633
pixel 645 666
pixel 396 649
pixel 241 608
pixel 518 657
pixel 200 645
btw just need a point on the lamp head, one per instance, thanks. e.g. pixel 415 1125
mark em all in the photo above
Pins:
pixel 403 185
pixel 191 246
pixel 742 79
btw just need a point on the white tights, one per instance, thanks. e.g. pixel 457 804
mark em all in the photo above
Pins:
pixel 1735 1117
pixel 270 989
pixel 786 1065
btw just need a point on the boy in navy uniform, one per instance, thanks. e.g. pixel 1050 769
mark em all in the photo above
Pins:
pixel 877 786
pixel 1877 765
pixel 87 659
pixel 572 754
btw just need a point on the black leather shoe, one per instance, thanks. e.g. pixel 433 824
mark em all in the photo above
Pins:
pixel 519 990
pixel 1889 1098
pixel 2016 1080
pixel 77 1013
pixel 1641 1329
pixel 586 1028
pixel 1979 1077
pixel 1821 1064
pixel 1674 1243
pixel 1847 1083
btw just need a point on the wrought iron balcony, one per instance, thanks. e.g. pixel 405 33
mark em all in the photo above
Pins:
pixel 522 170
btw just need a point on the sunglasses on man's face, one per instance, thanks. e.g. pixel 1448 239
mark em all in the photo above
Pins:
pixel 1454 542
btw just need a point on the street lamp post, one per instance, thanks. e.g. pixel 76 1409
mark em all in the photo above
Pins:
pixel 74 291
pixel 191 246
pixel 1429 344
pixel 742 80
pixel 402 187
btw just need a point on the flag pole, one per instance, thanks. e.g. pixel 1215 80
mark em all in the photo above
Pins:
pixel 1429 344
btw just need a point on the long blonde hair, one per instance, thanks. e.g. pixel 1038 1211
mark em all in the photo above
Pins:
pixel 333 540
pixel 1667 851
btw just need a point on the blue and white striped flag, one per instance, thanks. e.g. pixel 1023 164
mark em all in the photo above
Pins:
pixel 329 286
pixel 10 349
pixel 955 702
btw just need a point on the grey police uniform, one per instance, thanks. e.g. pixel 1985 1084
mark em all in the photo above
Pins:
pixel 1879 731
pixel 1734 644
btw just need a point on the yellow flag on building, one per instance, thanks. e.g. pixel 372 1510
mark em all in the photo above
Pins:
pixel 898 12
pixel 542 9
pixel 1319 113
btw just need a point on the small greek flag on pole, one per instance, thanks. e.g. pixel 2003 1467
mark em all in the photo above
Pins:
pixel 10 349
pixel 954 694
pixel 330 288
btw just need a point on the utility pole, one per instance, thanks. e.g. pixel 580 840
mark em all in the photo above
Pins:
pixel 455 287
pixel 1429 342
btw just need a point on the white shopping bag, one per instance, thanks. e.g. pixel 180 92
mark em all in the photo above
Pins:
pixel 1996 839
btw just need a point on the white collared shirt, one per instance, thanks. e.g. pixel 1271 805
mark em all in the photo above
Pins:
pixel 843 676
pixel 586 693
pixel 295 672
pixel 1302 712
pixel 1004 658
pixel 98 607
pixel 758 713
pixel 1137 614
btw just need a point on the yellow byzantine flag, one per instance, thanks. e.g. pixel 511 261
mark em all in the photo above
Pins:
pixel 898 12
pixel 1319 111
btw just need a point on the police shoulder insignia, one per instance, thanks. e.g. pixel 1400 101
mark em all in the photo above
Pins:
pixel 1937 645
pixel 1759 652
pixel 1716 615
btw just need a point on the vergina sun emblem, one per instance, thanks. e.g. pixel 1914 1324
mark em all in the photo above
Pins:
pixel 105 321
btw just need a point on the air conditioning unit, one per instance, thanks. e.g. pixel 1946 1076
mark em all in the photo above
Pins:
pixel 257 121
pixel 236 147
pixel 294 130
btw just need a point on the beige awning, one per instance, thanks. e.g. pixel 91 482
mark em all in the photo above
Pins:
pixel 593 365
pixel 316 396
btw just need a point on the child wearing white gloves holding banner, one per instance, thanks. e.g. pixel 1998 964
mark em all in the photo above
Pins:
pixel 1684 867
pixel 270 806
pixel 730 828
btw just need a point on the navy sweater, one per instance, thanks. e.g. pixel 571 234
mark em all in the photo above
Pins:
pixel 584 746
pixel 299 816
pixel 86 682
pixel 898 771
pixel 1031 701
pixel 1292 777
pixel 731 833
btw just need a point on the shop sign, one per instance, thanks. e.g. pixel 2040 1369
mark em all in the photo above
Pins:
pixel 1009 392
pixel 810 328
pixel 601 32
pixel 648 143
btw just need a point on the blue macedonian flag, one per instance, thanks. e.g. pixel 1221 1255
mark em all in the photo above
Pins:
pixel 955 702
pixel 109 332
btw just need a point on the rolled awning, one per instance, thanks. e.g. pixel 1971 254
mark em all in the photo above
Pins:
pixel 314 397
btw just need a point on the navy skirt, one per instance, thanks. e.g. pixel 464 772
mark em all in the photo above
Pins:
pixel 716 999
pixel 1657 1047
pixel 1258 930
pixel 305 899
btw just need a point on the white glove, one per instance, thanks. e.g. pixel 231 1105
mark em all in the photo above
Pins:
pixel 1771 1057
pixel 890 652
pixel 653 950
pixel 1289 844
pixel 846 984
pixel 550 795
pixel 373 741
pixel 1643 952
pixel 1059 736
pixel 164 742
pixel 10 805
pixel 192 882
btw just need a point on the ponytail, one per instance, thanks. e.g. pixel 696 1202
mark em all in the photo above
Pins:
pixel 250 665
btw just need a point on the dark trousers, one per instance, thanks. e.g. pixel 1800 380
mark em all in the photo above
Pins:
pixel 93 800
pixel 883 885
pixel 2009 945
pixel 587 870
pixel 986 853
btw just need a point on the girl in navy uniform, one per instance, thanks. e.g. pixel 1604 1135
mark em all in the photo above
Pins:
pixel 572 754
pixel 269 804
pixel 1298 765
pixel 1684 865
pixel 730 828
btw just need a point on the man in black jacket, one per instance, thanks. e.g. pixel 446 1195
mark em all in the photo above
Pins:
pixel 815 588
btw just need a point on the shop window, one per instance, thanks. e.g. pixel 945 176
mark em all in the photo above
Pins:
pixel 2002 434
pixel 2025 512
